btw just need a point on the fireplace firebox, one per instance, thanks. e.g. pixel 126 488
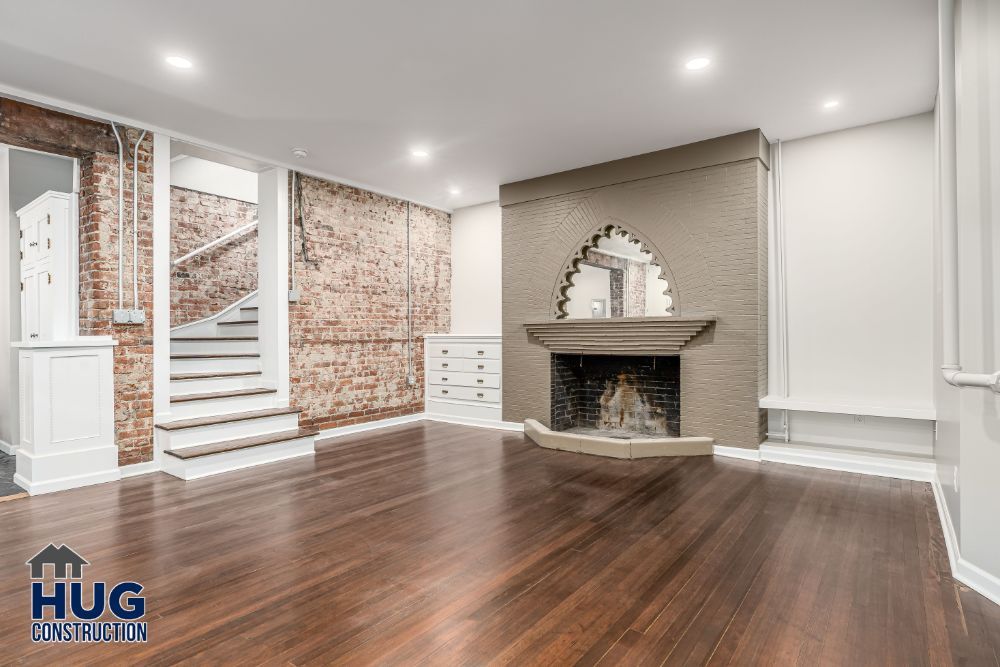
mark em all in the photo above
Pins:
pixel 616 396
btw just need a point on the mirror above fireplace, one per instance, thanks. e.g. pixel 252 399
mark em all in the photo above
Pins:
pixel 615 277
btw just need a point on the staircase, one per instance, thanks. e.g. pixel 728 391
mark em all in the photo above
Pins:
pixel 222 417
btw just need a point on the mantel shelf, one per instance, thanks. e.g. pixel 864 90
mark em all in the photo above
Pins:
pixel 665 335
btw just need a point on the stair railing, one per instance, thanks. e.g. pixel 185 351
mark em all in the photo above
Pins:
pixel 225 238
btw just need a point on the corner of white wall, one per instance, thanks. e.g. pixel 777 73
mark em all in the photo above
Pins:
pixel 476 269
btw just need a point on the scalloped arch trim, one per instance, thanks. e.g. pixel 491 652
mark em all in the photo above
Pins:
pixel 572 267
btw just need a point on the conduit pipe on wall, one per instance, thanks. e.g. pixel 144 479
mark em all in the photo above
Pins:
pixel 121 213
pixel 411 378
pixel 951 367
pixel 135 221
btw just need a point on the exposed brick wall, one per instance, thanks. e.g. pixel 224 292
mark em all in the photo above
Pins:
pixel 99 285
pixel 208 283
pixel 28 126
pixel 347 334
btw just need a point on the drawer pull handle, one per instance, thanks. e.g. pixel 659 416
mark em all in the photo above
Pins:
pixel 444 365
pixel 480 353
pixel 480 366
pixel 444 351
pixel 444 379
pixel 479 395
pixel 444 391
pixel 479 380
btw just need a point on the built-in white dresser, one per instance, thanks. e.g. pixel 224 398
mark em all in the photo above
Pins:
pixel 463 377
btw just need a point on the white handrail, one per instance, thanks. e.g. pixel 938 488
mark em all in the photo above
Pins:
pixel 212 244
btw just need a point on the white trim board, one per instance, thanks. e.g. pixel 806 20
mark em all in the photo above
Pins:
pixel 7 448
pixel 865 464
pixel 136 469
pixel 962 570
pixel 926 413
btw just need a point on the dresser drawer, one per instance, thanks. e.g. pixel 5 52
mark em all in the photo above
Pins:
pixel 464 379
pixel 445 350
pixel 450 365
pixel 481 351
pixel 464 393
pixel 481 365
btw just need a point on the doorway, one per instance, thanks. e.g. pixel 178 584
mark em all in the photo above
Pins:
pixel 32 184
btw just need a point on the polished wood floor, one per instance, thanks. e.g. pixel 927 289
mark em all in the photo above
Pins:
pixel 440 544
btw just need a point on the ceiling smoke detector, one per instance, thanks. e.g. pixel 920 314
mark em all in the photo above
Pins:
pixel 300 153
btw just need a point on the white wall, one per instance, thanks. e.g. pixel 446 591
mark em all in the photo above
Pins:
pixel 475 269
pixel 24 175
pixel 858 218
pixel 214 178
pixel 968 447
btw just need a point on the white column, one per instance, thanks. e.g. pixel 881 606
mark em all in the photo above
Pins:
pixel 161 277
pixel 272 279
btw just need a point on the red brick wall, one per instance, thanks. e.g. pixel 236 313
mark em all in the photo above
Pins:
pixel 208 283
pixel 93 143
pixel 348 331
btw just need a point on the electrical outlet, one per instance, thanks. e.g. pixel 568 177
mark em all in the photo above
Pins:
pixel 859 419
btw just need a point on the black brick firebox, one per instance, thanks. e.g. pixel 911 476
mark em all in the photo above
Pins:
pixel 616 395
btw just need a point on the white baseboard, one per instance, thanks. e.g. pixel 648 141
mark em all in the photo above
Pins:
pixel 472 421
pixel 65 483
pixel 736 452
pixel 341 431
pixel 135 469
pixel 7 448
pixel 971 575
pixel 865 464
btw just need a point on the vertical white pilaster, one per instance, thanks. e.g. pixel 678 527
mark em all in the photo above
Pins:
pixel 272 279
pixel 161 277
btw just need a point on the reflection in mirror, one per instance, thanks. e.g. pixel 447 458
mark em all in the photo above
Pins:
pixel 617 279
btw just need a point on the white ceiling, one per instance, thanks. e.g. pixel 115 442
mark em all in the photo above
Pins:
pixel 497 91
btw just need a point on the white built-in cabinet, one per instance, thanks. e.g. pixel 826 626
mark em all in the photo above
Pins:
pixel 48 282
pixel 463 377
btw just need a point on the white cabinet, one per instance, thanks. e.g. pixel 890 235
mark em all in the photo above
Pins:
pixel 48 273
pixel 463 377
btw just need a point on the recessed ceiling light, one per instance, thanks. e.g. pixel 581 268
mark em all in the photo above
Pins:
pixel 697 63
pixel 831 104
pixel 454 192
pixel 419 152
pixel 300 153
pixel 179 62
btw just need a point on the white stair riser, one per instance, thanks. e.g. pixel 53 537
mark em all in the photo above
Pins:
pixel 243 458
pixel 221 406
pixel 178 387
pixel 202 435
pixel 213 346
pixel 247 315
pixel 247 329
pixel 178 366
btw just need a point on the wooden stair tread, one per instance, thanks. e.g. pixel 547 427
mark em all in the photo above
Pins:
pixel 208 376
pixel 210 339
pixel 213 420
pixel 241 443
pixel 235 393
pixel 235 323
pixel 217 355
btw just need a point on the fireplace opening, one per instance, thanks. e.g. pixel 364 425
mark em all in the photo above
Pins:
pixel 616 396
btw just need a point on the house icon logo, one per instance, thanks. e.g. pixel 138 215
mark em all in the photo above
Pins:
pixel 62 559
pixel 65 608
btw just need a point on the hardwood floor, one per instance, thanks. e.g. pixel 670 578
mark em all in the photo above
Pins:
pixel 439 544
